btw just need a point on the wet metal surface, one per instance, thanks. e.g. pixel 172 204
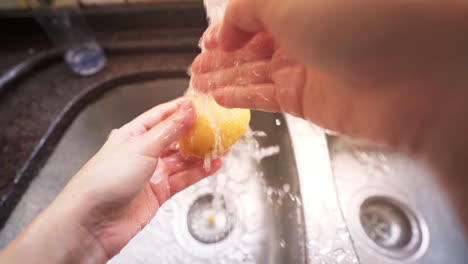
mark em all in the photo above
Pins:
pixel 394 209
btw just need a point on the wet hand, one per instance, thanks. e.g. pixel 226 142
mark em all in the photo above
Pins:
pixel 116 193
pixel 135 173
pixel 259 75
pixel 422 116
pixel 263 75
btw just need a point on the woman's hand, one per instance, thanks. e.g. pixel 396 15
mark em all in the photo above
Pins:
pixel 415 115
pixel 262 75
pixel 116 193
pixel 389 41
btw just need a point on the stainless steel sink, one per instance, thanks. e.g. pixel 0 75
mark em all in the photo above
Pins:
pixel 283 208
pixel 393 208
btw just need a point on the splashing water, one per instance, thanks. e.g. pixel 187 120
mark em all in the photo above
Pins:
pixel 239 184
pixel 207 106
pixel 215 9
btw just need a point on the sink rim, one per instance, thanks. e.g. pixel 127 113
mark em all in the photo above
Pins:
pixel 13 193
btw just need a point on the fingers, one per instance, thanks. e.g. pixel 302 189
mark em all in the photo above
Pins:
pixel 158 138
pixel 210 37
pixel 184 179
pixel 159 183
pixel 167 166
pixel 243 77
pixel 169 151
pixel 232 38
pixel 251 73
pixel 176 162
pixel 260 48
pixel 255 96
pixel 241 21
pixel 290 83
pixel 165 184
pixel 275 84
pixel 152 117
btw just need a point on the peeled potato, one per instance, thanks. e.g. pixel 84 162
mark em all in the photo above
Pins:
pixel 215 130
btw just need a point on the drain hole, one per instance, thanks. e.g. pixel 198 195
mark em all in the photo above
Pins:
pixel 209 220
pixel 391 226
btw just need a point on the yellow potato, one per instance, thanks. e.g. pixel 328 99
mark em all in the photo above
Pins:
pixel 215 130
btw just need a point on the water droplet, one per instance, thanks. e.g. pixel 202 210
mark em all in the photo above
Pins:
pixel 282 243
pixel 298 201
pixel 340 254
pixel 340 258
pixel 207 163
pixel 342 234
pixel 325 251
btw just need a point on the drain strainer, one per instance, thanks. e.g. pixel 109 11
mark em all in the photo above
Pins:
pixel 391 226
pixel 209 220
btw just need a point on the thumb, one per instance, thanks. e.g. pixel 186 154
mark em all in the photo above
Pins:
pixel 157 139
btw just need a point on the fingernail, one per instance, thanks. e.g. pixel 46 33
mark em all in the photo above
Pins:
pixel 221 98
pixel 186 114
pixel 210 41
pixel 186 107
pixel 158 174
pixel 183 110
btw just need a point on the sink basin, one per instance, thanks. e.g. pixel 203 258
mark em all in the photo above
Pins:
pixel 262 217
pixel 394 209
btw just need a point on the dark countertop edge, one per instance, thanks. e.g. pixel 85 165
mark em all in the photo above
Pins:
pixel 112 8
pixel 57 128
pixel 22 69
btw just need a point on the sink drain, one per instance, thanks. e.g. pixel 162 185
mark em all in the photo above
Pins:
pixel 391 226
pixel 209 220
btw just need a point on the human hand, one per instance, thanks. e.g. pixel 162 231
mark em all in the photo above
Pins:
pixel 390 41
pixel 262 75
pixel 118 191
pixel 417 116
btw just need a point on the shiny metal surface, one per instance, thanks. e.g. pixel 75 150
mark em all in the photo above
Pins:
pixel 415 220
pixel 392 226
pixel 328 239
pixel 210 220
